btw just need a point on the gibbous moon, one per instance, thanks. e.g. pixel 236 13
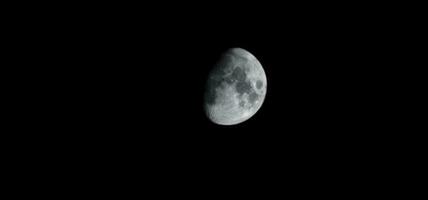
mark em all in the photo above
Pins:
pixel 235 89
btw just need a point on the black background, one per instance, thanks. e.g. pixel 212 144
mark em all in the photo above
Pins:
pixel 129 98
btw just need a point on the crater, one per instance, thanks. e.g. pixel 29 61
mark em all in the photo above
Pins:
pixel 241 103
pixel 253 97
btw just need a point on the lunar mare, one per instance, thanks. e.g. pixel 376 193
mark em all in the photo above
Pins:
pixel 236 88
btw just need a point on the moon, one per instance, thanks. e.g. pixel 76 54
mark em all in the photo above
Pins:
pixel 235 89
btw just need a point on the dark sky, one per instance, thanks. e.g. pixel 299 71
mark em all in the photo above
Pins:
pixel 322 83
pixel 139 80
pixel 323 73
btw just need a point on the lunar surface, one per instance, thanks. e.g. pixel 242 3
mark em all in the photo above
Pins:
pixel 236 88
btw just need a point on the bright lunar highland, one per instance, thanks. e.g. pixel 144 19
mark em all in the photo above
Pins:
pixel 235 89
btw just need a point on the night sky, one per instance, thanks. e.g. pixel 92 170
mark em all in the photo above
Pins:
pixel 139 79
